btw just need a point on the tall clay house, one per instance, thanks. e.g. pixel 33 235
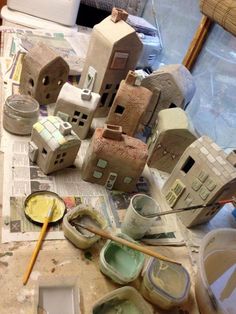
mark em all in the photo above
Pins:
pixel 114 49
pixel 171 136
pixel 129 105
pixel 203 175
pixel 77 106
pixel 43 74
pixel 172 86
pixel 114 159
pixel 53 145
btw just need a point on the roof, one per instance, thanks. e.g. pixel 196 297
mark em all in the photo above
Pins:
pixel 115 31
pixel 48 129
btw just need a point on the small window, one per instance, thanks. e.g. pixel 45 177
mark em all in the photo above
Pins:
pixel 64 154
pixel 55 162
pixel 172 105
pixel 47 96
pixel 61 160
pixel 59 83
pixel 108 86
pixel 58 156
pixel 44 152
pixel 104 98
pixel 84 116
pixel 127 180
pixel 188 165
pixel 76 113
pixel 45 80
pixel 119 109
pixel 97 174
pixel 81 123
pixel 102 163
pixel 74 120
pixel 31 82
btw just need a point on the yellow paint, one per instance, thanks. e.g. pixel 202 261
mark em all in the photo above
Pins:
pixel 38 205
pixel 38 127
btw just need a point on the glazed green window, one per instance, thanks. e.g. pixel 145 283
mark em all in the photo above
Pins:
pixel 97 174
pixel 127 180
pixel 102 163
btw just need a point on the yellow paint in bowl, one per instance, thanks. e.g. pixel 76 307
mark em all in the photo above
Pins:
pixel 37 205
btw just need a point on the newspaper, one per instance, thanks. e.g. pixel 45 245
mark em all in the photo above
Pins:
pixel 72 46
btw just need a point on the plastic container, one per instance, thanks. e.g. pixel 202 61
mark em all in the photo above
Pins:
pixel 121 263
pixel 122 300
pixel 135 223
pixel 165 284
pixel 20 113
pixel 216 278
pixel 83 214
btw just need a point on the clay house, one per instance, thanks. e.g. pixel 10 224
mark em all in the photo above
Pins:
pixel 172 86
pixel 203 175
pixel 171 136
pixel 114 49
pixel 53 145
pixel 43 74
pixel 77 106
pixel 129 105
pixel 113 159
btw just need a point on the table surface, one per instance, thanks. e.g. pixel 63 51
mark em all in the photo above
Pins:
pixel 60 258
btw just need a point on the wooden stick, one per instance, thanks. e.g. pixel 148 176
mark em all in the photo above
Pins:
pixel 197 43
pixel 179 210
pixel 122 241
pixel 38 244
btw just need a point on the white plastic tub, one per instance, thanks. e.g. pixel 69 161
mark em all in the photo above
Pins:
pixel 216 279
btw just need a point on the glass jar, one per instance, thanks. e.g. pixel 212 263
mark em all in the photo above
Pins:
pixel 20 113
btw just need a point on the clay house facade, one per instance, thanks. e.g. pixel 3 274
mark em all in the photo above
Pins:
pixel 114 160
pixel 53 145
pixel 77 106
pixel 171 136
pixel 172 86
pixel 203 175
pixel 129 105
pixel 43 74
pixel 114 49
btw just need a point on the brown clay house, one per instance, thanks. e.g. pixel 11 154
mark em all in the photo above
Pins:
pixel 114 49
pixel 129 105
pixel 114 159
pixel 43 74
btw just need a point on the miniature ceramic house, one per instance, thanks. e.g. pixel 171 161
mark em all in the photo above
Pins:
pixel 53 144
pixel 43 74
pixel 204 174
pixel 129 105
pixel 172 86
pixel 114 49
pixel 77 106
pixel 171 136
pixel 114 159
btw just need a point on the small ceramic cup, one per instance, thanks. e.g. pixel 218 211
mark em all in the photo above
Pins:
pixel 135 223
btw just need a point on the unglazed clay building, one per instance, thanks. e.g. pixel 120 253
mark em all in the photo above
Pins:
pixel 53 144
pixel 43 74
pixel 114 49
pixel 129 105
pixel 77 106
pixel 114 159
pixel 172 86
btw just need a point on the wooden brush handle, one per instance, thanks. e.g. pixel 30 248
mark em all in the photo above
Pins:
pixel 132 245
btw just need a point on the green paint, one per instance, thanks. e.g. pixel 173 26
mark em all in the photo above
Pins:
pixel 117 306
pixel 123 259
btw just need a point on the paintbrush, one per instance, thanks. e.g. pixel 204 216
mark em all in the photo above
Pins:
pixel 106 235
pixel 179 210
pixel 39 242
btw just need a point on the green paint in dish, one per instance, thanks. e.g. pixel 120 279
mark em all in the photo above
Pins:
pixel 117 306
